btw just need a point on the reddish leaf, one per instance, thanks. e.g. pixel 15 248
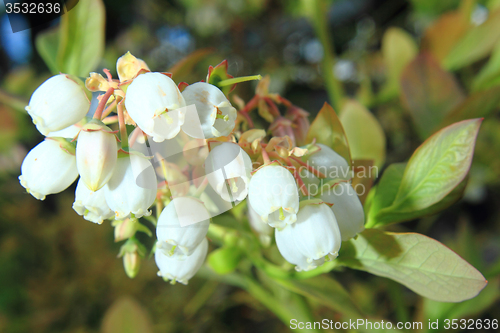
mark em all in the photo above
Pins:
pixel 429 93
pixel 328 130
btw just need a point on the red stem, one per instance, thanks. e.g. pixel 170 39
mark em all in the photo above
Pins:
pixel 108 74
pixel 274 109
pixel 285 101
pixel 135 135
pixel 297 177
pixel 265 156
pixel 123 128
pixel 252 104
pixel 102 103
pixel 108 110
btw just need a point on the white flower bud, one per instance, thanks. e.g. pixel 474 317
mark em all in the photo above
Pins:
pixel 177 270
pixel 259 226
pixel 347 209
pixel 216 114
pixel 132 187
pixel 273 194
pixel 91 205
pixel 182 225
pixel 96 155
pixel 58 103
pixel 331 164
pixel 228 169
pixel 47 169
pixel 155 103
pixel 314 236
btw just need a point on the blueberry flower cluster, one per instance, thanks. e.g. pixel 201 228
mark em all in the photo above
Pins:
pixel 185 152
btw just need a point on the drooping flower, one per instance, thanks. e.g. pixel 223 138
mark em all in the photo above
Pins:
pixel 96 154
pixel 288 249
pixel 228 169
pixel 155 103
pixel 273 194
pixel 48 169
pixel 182 225
pixel 314 236
pixel 91 205
pixel 132 187
pixel 329 163
pixel 176 270
pixel 58 103
pixel 215 113
pixel 347 209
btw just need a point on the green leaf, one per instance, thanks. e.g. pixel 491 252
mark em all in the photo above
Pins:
pixel 47 44
pixel 398 49
pixel 77 44
pixel 364 133
pixel 432 7
pixel 437 166
pixel 225 259
pixel 439 310
pixel 126 316
pixel 429 93
pixel 477 105
pixel 489 75
pixel 493 4
pixel 81 42
pixel 422 264
pixel 381 213
pixel 326 291
pixel 476 44
pixel 327 129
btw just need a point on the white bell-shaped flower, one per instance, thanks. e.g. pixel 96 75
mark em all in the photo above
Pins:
pixel 216 114
pixel 273 194
pixel 286 245
pixel 96 155
pixel 228 169
pixel 91 205
pixel 330 163
pixel 313 236
pixel 47 169
pixel 347 209
pixel 259 226
pixel 132 187
pixel 182 225
pixel 58 103
pixel 181 270
pixel 155 103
